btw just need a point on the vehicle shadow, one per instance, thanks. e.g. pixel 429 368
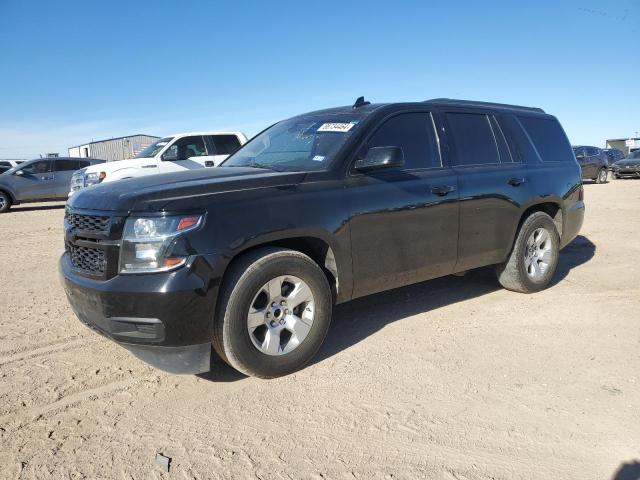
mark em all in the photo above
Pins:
pixel 20 208
pixel 579 251
pixel 628 471
pixel 356 320
pixel 220 372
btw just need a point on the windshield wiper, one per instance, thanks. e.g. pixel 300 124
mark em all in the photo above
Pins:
pixel 258 165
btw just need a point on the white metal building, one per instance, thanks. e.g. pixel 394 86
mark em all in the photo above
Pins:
pixel 121 148
pixel 626 145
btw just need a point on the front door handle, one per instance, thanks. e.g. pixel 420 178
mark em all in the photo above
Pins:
pixel 443 190
pixel 516 182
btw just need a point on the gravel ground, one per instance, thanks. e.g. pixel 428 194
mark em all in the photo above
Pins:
pixel 449 379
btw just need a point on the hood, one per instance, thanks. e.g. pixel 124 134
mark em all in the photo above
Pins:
pixel 111 167
pixel 627 162
pixel 177 191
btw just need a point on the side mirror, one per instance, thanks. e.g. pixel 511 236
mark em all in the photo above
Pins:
pixel 19 173
pixel 580 157
pixel 170 155
pixel 378 158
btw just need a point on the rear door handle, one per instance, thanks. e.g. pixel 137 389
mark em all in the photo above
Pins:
pixel 516 182
pixel 443 190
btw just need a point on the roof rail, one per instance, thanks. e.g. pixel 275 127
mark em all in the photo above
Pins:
pixel 473 103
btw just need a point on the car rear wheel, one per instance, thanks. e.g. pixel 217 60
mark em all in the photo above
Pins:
pixel 274 313
pixel 5 202
pixel 534 257
pixel 602 176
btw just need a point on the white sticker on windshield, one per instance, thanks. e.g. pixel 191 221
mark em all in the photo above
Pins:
pixel 318 158
pixel 335 127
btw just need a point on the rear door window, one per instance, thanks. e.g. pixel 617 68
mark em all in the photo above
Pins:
pixel 473 138
pixel 548 138
pixel 414 134
pixel 503 146
pixel 225 144
pixel 65 165
pixel 591 151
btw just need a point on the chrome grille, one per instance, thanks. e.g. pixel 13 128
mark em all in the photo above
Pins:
pixel 91 260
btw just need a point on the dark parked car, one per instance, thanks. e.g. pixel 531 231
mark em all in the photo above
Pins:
pixel 318 209
pixel 613 155
pixel 40 180
pixel 593 162
pixel 628 167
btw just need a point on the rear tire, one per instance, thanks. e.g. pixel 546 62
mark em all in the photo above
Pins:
pixel 5 202
pixel 288 297
pixel 534 256
pixel 602 176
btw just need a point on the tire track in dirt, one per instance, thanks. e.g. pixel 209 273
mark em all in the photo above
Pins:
pixel 85 395
pixel 42 351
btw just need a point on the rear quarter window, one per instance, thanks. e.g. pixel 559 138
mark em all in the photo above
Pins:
pixel 549 139
pixel 225 144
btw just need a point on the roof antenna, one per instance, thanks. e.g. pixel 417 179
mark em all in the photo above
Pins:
pixel 360 102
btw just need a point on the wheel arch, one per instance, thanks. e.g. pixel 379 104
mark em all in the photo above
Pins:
pixel 551 208
pixel 319 249
pixel 13 198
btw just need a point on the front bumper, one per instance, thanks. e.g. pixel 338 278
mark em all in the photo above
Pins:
pixel 166 319
pixel 627 173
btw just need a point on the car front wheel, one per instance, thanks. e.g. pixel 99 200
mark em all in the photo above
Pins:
pixel 5 202
pixel 274 312
pixel 534 256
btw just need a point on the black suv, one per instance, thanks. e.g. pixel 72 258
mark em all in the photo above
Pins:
pixel 316 210
pixel 593 162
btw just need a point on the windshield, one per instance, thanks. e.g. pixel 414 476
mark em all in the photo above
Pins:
pixel 635 154
pixel 153 149
pixel 304 143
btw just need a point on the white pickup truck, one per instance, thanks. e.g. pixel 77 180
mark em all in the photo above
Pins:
pixel 183 151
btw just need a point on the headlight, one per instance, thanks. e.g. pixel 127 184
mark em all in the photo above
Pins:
pixel 94 178
pixel 146 242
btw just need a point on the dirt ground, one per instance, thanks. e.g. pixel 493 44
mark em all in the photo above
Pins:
pixel 450 379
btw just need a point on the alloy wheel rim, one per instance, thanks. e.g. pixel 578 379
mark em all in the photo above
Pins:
pixel 603 176
pixel 3 203
pixel 281 315
pixel 538 254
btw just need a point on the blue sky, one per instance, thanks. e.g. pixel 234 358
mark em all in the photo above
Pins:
pixel 72 71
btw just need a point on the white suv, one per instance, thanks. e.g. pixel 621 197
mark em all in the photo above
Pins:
pixel 183 151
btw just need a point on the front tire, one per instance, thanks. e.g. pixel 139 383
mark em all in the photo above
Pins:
pixel 273 314
pixel 5 202
pixel 534 257
pixel 602 176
